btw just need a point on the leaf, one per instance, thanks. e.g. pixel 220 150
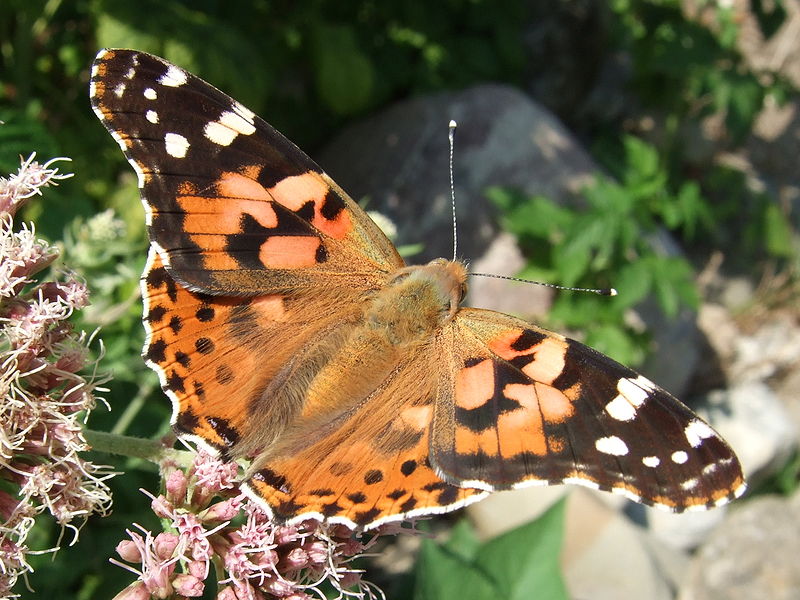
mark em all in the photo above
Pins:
pixel 777 232
pixel 617 342
pixel 510 566
pixel 343 73
pixel 527 558
pixel 633 282
pixel 444 575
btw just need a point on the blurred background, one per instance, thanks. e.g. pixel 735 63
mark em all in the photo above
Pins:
pixel 648 145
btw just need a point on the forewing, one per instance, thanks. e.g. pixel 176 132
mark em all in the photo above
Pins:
pixel 526 406
pixel 234 208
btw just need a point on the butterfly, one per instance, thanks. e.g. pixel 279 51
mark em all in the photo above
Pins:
pixel 287 330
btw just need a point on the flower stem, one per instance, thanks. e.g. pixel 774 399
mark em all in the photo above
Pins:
pixel 125 445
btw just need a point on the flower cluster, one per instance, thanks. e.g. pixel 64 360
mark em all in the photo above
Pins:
pixel 42 393
pixel 211 526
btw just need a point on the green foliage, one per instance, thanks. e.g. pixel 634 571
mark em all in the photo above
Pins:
pixel 785 482
pixel 614 238
pixel 522 563
pixel 688 69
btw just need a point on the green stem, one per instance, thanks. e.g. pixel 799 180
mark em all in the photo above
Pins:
pixel 126 445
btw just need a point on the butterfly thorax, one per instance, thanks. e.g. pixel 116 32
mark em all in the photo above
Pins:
pixel 417 300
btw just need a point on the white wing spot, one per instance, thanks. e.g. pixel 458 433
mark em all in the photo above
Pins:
pixel 690 484
pixel 679 457
pixel 131 73
pixel 174 77
pixel 151 116
pixel 229 125
pixel 150 94
pixel 635 390
pixel 238 123
pixel 176 145
pixel 119 90
pixel 697 431
pixel 621 409
pixel 651 461
pixel 611 445
pixel 247 115
pixel 219 134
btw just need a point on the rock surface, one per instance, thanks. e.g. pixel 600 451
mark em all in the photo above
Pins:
pixel 753 555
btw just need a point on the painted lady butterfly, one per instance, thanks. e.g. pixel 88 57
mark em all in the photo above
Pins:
pixel 285 328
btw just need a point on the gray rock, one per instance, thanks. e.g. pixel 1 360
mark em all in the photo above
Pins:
pixel 753 555
pixel 770 349
pixel 398 159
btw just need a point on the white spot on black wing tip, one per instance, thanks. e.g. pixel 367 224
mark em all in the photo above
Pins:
pixel 611 445
pixel 176 145
pixel 174 77
pixel 119 90
pixel 151 116
pixel 621 409
pixel 651 461
pixel 697 431
pixel 150 94
pixel 679 457
pixel 690 484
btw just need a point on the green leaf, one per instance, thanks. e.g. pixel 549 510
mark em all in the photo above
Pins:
pixel 463 542
pixel 343 73
pixel 509 566
pixel 571 263
pixel 633 282
pixel 444 575
pixel 615 341
pixel 777 232
pixel 527 558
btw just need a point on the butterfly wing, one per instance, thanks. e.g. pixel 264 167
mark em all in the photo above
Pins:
pixel 523 406
pixel 233 207
pixel 371 465
pixel 256 253
pixel 218 357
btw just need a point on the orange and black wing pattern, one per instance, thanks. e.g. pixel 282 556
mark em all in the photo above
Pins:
pixel 233 207
pixel 524 406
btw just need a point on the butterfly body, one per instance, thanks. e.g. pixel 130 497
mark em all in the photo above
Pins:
pixel 287 330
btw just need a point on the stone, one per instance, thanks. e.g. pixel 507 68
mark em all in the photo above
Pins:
pixel 754 554
pixel 398 161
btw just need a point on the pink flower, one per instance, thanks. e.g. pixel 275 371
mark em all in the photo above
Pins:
pixel 42 389
pixel 213 525
pixel 27 182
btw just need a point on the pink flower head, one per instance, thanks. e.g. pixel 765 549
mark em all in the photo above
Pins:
pixel 28 181
pixel 42 390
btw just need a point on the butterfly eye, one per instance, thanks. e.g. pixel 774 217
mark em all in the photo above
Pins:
pixel 462 292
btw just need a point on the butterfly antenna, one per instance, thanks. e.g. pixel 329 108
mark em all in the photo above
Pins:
pixel 451 135
pixel 600 291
